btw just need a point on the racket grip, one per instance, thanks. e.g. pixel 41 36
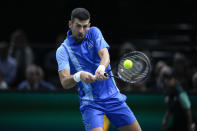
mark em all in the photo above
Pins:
pixel 105 74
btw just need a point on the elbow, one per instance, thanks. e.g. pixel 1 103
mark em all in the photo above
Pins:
pixel 66 86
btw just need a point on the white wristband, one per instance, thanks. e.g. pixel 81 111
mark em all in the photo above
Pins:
pixel 76 76
pixel 101 68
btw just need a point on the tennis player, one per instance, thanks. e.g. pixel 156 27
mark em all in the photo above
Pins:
pixel 82 59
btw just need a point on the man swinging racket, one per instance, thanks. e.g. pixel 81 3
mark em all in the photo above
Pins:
pixel 82 59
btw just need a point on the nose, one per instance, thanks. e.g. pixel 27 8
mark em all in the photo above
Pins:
pixel 81 30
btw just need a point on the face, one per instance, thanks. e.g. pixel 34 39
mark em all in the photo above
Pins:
pixel 168 82
pixel 79 28
pixel 32 75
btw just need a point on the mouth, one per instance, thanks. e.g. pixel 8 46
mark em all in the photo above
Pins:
pixel 80 36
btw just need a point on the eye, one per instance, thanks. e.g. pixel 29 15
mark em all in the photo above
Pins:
pixel 85 26
pixel 79 26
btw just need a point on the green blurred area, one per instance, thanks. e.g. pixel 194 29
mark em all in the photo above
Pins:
pixel 60 111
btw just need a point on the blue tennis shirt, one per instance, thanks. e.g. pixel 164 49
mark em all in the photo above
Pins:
pixel 83 56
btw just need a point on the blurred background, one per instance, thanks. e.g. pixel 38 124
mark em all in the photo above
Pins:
pixel 31 97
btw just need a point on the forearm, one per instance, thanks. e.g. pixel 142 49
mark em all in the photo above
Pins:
pixel 189 117
pixel 165 120
pixel 167 115
pixel 68 82
pixel 105 61
pixel 104 56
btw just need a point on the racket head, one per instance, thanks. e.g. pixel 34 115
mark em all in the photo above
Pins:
pixel 140 70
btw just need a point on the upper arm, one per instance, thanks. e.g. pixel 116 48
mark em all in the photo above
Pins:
pixel 103 53
pixel 63 64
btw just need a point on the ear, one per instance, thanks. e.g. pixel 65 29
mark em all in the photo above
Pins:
pixel 70 24
pixel 89 25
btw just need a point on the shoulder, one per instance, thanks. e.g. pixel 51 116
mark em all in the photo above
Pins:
pixel 60 50
pixel 47 85
pixel 22 85
pixel 94 30
pixel 94 33
pixel 12 61
pixel 179 89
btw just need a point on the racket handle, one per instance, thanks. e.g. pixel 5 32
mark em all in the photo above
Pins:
pixel 105 74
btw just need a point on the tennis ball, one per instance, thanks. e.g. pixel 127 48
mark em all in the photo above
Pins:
pixel 128 64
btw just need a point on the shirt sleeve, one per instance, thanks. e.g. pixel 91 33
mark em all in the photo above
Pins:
pixel 62 59
pixel 98 39
pixel 184 100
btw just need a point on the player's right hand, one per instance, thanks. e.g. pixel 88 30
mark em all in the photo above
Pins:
pixel 87 77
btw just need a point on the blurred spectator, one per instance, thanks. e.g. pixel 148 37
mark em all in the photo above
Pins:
pixel 140 86
pixel 158 71
pixel 126 47
pixel 21 51
pixel 34 80
pixel 179 106
pixel 180 66
pixel 3 84
pixel 8 65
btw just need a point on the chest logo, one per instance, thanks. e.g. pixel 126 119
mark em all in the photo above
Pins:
pixel 90 46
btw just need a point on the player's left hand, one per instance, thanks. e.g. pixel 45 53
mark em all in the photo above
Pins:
pixel 99 74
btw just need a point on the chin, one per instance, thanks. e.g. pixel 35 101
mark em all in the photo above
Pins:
pixel 80 39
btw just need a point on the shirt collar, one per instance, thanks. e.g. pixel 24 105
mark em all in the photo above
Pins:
pixel 71 39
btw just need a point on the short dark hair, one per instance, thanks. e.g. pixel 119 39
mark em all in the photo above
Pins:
pixel 80 13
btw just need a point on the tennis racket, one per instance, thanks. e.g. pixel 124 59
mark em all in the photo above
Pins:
pixel 139 72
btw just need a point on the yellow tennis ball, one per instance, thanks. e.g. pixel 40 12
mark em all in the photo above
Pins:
pixel 128 64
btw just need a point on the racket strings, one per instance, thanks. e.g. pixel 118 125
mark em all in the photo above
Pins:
pixel 139 70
